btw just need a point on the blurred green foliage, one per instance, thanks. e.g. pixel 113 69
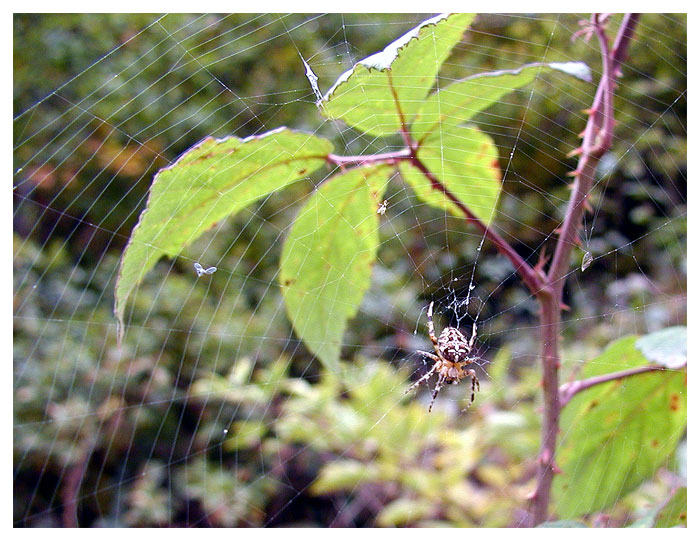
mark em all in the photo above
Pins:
pixel 212 412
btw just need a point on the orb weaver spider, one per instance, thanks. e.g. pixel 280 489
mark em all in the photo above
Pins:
pixel 451 358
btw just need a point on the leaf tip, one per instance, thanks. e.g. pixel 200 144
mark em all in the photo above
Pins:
pixel 579 70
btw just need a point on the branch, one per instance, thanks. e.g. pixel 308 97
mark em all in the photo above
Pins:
pixel 386 157
pixel 622 42
pixel 568 390
pixel 72 483
pixel 603 139
pixel 534 281
pixel 597 139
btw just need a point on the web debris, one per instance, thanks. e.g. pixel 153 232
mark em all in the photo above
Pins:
pixel 586 261
pixel 202 271
pixel 313 80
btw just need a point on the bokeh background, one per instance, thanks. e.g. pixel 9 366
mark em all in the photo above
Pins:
pixel 213 413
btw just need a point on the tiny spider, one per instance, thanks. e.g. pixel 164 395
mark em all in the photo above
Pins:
pixel 451 358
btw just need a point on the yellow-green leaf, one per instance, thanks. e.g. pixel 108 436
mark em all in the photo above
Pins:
pixel 459 102
pixel 675 512
pixel 405 511
pixel 465 161
pixel 328 256
pixel 343 475
pixel 390 85
pixel 616 435
pixel 211 181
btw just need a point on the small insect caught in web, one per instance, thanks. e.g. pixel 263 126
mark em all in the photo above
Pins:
pixel 382 208
pixel 201 271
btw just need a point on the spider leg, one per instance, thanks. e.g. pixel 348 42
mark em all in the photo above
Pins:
pixel 431 328
pixel 422 379
pixel 475 388
pixel 429 355
pixel 473 338
pixel 440 383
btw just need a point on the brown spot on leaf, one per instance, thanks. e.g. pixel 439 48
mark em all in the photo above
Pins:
pixel 593 404
pixel 289 281
pixel 654 443
pixel 675 402
pixel 302 171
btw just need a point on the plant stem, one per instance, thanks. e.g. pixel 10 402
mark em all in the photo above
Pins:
pixel 568 390
pixel 529 275
pixel 386 157
pixel 597 139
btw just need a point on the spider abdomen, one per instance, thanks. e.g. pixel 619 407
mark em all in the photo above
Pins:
pixel 453 345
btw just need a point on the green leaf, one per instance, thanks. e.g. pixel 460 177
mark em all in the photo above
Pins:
pixel 459 102
pixel 383 88
pixel 617 434
pixel 668 347
pixel 405 511
pixel 211 181
pixel 328 256
pixel 245 434
pixel 675 512
pixel 465 160
pixel 343 475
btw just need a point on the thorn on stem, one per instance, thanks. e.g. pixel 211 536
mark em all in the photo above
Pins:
pixel 542 261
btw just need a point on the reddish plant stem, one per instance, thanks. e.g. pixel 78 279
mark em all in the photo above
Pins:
pixel 531 277
pixel 74 479
pixel 568 390
pixel 597 139
pixel 386 157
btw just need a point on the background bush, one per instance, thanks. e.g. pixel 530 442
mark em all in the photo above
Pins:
pixel 213 413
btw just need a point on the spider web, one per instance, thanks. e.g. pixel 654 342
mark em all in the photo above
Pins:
pixel 213 412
